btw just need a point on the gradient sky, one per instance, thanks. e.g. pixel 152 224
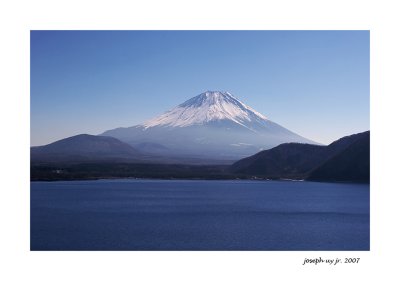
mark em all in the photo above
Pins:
pixel 315 83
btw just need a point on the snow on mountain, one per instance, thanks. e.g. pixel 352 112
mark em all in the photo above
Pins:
pixel 212 125
pixel 206 107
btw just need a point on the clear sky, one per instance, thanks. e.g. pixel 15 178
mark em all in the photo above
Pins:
pixel 315 83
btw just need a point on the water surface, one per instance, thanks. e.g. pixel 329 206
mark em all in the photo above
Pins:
pixel 199 215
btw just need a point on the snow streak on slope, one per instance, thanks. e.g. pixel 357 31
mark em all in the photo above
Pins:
pixel 206 107
pixel 212 125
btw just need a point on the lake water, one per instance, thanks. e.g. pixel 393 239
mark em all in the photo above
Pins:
pixel 199 215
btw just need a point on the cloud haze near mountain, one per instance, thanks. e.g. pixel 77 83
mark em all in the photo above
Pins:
pixel 212 125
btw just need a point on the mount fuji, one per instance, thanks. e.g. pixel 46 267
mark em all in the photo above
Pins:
pixel 212 125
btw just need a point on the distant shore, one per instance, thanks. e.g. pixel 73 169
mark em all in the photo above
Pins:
pixel 108 171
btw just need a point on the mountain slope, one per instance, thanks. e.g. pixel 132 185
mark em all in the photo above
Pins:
pixel 351 164
pixel 211 125
pixel 285 160
pixel 208 107
pixel 83 148
pixel 347 156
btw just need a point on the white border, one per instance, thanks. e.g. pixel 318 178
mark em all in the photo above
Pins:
pixel 18 17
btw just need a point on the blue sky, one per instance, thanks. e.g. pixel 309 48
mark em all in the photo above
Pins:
pixel 315 83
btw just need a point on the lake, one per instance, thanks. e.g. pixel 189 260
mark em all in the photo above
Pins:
pixel 199 215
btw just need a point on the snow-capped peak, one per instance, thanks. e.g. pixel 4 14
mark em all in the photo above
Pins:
pixel 206 107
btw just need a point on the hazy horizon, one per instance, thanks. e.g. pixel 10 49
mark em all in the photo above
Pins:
pixel 314 83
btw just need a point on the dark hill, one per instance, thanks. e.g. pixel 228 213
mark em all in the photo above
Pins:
pixel 351 164
pixel 297 161
pixel 83 148
pixel 285 160
pixel 342 143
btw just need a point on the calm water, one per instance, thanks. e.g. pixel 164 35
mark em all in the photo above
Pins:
pixel 199 215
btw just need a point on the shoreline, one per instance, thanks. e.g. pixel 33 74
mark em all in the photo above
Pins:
pixel 196 179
